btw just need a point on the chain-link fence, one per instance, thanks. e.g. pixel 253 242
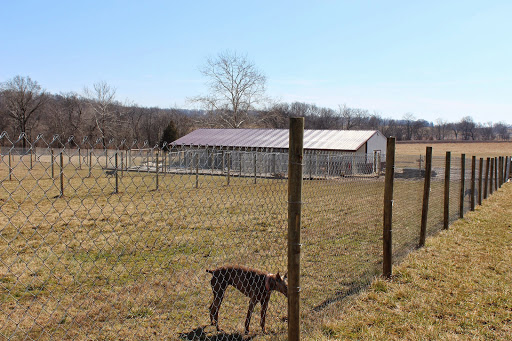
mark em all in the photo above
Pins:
pixel 116 240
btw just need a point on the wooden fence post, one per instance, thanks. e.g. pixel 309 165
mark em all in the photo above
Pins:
pixel 426 196
pixel 480 174
pixel 486 183
pixel 447 170
pixel 496 179
pixel 503 170
pixel 295 157
pixel 388 208
pixel 491 184
pixel 507 168
pixel 473 175
pixel 462 184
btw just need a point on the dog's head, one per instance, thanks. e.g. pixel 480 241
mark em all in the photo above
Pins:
pixel 276 282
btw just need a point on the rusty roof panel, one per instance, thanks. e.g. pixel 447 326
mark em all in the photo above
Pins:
pixel 349 140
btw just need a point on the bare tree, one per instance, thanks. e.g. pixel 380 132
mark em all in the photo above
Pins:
pixel 102 101
pixel 235 87
pixel 502 131
pixel 23 99
pixel 467 126
pixel 441 128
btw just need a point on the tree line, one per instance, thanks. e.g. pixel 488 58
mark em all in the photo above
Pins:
pixel 236 99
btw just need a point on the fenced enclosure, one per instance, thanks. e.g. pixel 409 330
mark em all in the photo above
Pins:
pixel 112 240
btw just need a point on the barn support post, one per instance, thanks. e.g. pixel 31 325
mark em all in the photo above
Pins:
pixel 462 184
pixel 486 183
pixel 196 161
pixel 426 197
pixel 295 157
pixel 480 174
pixel 473 177
pixel 447 171
pixel 388 209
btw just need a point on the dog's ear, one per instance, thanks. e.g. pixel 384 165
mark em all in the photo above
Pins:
pixel 278 277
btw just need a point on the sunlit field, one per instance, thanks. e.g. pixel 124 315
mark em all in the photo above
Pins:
pixel 88 259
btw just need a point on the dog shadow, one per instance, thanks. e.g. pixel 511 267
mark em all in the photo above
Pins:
pixel 200 334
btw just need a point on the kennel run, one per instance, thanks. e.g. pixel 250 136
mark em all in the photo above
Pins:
pixel 327 153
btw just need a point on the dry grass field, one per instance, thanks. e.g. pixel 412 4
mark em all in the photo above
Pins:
pixel 95 264
pixel 479 149
pixel 456 288
pixel 104 265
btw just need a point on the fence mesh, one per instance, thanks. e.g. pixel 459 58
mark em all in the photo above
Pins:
pixel 112 240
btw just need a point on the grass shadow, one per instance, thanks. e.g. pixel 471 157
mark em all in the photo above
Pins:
pixel 199 333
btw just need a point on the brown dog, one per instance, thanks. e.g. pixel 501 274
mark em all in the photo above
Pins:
pixel 255 284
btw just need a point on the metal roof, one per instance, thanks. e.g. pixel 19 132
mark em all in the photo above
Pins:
pixel 349 140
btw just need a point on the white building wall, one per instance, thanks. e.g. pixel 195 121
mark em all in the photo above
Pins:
pixel 377 142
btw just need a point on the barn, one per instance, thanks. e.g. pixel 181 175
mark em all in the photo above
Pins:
pixel 327 153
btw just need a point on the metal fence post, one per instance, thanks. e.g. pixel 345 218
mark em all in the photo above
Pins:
pixel 462 184
pixel 52 163
pixel 255 165
pixel 90 163
pixel 61 175
pixel 295 158
pixel 228 157
pixel 117 177
pixel 426 196
pixel 196 161
pixel 156 170
pixel 10 167
pixel 447 171
pixel 388 208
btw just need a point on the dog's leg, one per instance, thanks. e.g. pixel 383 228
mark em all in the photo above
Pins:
pixel 218 289
pixel 264 306
pixel 252 303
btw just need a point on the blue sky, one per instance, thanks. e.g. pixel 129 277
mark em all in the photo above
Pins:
pixel 434 59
